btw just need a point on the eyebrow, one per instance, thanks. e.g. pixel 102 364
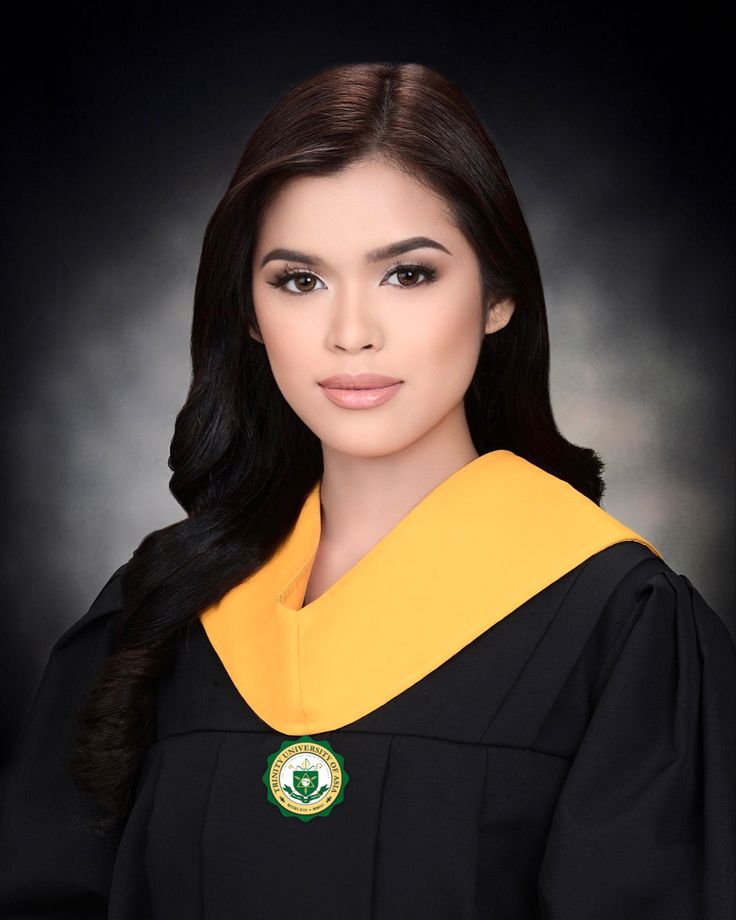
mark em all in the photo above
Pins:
pixel 375 255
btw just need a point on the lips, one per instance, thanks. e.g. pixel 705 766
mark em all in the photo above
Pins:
pixel 361 397
pixel 364 381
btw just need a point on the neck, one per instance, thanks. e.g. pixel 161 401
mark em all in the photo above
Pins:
pixel 362 498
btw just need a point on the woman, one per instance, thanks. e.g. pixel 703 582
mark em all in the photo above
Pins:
pixel 396 661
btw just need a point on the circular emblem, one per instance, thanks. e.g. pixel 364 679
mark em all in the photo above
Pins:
pixel 305 778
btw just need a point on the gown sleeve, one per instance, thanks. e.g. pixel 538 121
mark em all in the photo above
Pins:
pixel 52 864
pixel 645 825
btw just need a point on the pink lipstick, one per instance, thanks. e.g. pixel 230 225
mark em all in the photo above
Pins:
pixel 359 391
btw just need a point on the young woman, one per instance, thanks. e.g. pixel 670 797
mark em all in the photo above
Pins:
pixel 396 661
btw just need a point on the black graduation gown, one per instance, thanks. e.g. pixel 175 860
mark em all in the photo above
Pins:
pixel 576 761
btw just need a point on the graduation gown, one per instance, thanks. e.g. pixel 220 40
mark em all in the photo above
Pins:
pixel 510 708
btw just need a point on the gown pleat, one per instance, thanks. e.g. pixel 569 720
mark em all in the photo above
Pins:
pixel 577 761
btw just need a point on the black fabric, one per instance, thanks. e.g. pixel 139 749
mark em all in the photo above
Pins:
pixel 577 761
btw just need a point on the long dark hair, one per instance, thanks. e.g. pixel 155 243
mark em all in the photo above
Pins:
pixel 243 462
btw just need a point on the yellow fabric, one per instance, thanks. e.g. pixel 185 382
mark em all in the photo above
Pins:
pixel 481 543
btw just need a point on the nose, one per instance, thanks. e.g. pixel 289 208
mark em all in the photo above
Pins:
pixel 353 326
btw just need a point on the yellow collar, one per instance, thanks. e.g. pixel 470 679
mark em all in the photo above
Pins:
pixel 481 543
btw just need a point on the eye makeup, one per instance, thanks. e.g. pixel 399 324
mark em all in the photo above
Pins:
pixel 282 278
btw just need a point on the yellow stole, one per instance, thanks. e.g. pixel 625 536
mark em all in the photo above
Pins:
pixel 481 543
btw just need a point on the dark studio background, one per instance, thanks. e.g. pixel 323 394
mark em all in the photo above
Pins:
pixel 122 127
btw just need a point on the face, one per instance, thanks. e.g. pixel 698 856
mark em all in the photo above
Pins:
pixel 335 305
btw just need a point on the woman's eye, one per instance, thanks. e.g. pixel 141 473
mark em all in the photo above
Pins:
pixel 410 273
pixel 298 278
pixel 407 275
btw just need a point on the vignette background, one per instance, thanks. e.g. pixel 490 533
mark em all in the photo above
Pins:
pixel 124 123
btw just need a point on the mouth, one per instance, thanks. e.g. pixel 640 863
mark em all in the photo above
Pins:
pixel 364 381
pixel 343 387
pixel 361 397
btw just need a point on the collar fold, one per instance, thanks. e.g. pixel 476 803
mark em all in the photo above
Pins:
pixel 481 543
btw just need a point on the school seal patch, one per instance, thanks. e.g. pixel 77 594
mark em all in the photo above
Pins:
pixel 305 778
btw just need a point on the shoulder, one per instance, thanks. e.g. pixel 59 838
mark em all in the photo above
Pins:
pixel 74 660
pixel 100 616
pixel 648 598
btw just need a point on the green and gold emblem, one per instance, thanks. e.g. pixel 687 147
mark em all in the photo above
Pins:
pixel 305 778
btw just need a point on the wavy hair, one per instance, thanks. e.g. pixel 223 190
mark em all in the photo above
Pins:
pixel 242 461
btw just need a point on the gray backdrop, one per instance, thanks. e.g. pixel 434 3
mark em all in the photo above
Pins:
pixel 125 125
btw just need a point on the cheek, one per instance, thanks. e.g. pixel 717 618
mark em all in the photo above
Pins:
pixel 284 342
pixel 287 367
pixel 448 346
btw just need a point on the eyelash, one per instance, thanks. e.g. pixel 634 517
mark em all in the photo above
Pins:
pixel 284 277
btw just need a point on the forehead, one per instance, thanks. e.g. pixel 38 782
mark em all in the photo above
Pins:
pixel 362 206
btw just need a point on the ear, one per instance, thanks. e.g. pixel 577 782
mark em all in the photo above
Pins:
pixel 499 314
pixel 255 335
